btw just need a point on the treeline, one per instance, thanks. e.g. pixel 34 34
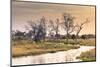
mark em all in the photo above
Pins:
pixel 43 29
pixel 18 35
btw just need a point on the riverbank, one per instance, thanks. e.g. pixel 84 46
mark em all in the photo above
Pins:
pixel 88 56
pixel 58 57
pixel 26 48
pixel 31 49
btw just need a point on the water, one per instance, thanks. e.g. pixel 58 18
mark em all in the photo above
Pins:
pixel 58 57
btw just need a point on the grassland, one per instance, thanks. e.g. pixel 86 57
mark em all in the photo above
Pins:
pixel 88 56
pixel 87 42
pixel 25 47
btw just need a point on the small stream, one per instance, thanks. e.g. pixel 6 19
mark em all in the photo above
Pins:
pixel 58 57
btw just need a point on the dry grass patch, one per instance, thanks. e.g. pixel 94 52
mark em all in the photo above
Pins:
pixel 40 48
pixel 88 42
pixel 88 56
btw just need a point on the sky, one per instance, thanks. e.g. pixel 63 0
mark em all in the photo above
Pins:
pixel 22 12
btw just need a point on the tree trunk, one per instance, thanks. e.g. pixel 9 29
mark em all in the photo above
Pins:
pixel 67 37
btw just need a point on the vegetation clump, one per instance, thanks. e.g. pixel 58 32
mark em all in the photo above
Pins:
pixel 88 56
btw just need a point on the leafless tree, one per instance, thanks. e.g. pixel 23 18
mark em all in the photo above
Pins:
pixel 43 26
pixel 32 30
pixel 57 28
pixel 80 27
pixel 38 30
pixel 68 24
pixel 51 29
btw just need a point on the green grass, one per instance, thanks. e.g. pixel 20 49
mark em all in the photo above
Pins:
pixel 88 56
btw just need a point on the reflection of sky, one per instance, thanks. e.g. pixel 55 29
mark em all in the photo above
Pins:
pixel 26 11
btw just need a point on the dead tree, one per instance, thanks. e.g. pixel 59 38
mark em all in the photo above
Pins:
pixel 57 29
pixel 38 30
pixel 80 27
pixel 51 29
pixel 32 32
pixel 68 24
pixel 43 26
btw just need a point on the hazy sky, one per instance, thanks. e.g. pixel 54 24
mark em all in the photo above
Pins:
pixel 26 11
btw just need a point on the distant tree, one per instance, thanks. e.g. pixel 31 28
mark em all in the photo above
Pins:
pixel 84 36
pixel 18 35
pixel 91 36
pixel 87 36
pixel 73 36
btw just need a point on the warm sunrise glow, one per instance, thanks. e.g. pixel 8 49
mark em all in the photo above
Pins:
pixel 26 11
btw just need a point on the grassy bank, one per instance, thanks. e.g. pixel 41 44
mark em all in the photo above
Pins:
pixel 88 56
pixel 25 47
pixel 83 42
pixel 88 42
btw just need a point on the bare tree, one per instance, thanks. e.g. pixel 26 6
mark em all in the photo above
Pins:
pixel 51 29
pixel 80 27
pixel 68 24
pixel 57 28
pixel 38 30
pixel 43 26
pixel 32 32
